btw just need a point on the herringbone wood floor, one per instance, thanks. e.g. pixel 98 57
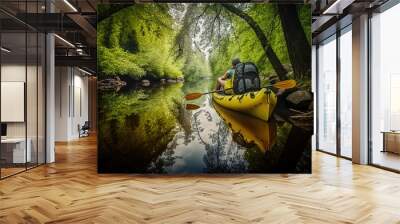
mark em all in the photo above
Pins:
pixel 70 191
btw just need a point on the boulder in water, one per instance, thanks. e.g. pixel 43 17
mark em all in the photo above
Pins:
pixel 111 84
pixel 299 99
pixel 145 83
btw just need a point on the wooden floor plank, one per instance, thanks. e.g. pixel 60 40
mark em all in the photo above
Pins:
pixel 71 191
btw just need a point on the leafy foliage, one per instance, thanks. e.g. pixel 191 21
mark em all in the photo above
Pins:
pixel 170 40
pixel 134 42
pixel 242 42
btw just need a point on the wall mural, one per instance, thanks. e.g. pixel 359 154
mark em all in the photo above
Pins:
pixel 204 88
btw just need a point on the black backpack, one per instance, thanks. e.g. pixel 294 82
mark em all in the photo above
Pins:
pixel 246 78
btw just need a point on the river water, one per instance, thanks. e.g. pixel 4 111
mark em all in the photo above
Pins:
pixel 149 130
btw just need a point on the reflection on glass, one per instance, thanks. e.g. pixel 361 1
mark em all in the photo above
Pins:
pixel 327 95
pixel 385 84
pixel 15 150
pixel 23 82
pixel 346 93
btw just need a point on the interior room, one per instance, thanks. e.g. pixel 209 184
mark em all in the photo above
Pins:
pixel 22 102
pixel 385 82
pixel 51 77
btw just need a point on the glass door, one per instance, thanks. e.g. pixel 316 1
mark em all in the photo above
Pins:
pixel 22 77
pixel 326 93
pixel 14 154
pixel 346 95
pixel 385 89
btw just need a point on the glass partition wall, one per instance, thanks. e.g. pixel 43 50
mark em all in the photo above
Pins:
pixel 334 94
pixel 385 89
pixel 326 91
pixel 22 78
pixel 345 92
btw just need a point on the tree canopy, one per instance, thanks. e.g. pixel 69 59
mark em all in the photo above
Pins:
pixel 196 40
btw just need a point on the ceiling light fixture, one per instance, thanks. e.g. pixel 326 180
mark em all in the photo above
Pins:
pixel 84 71
pixel 5 50
pixel 331 7
pixel 70 5
pixel 79 51
pixel 65 41
pixel 337 7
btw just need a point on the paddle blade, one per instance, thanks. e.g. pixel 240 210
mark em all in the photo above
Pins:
pixel 286 84
pixel 192 106
pixel 193 96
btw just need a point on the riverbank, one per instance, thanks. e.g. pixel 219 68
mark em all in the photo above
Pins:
pixel 118 82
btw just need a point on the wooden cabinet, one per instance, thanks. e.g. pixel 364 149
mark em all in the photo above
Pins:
pixel 391 142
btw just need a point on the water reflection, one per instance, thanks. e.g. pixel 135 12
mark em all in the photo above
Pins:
pixel 151 131
pixel 248 131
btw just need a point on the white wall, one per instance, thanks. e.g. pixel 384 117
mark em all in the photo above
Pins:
pixel 71 102
pixel 80 112
pixel 13 72
pixel 13 101
pixel 62 82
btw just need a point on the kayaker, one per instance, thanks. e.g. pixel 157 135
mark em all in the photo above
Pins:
pixel 225 82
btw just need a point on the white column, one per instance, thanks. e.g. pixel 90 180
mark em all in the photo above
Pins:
pixel 50 92
pixel 360 90
pixel 50 100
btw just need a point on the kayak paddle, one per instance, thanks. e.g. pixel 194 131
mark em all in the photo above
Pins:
pixel 193 96
pixel 286 84
pixel 190 106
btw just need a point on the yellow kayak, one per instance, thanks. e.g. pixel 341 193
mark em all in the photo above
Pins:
pixel 247 129
pixel 259 104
